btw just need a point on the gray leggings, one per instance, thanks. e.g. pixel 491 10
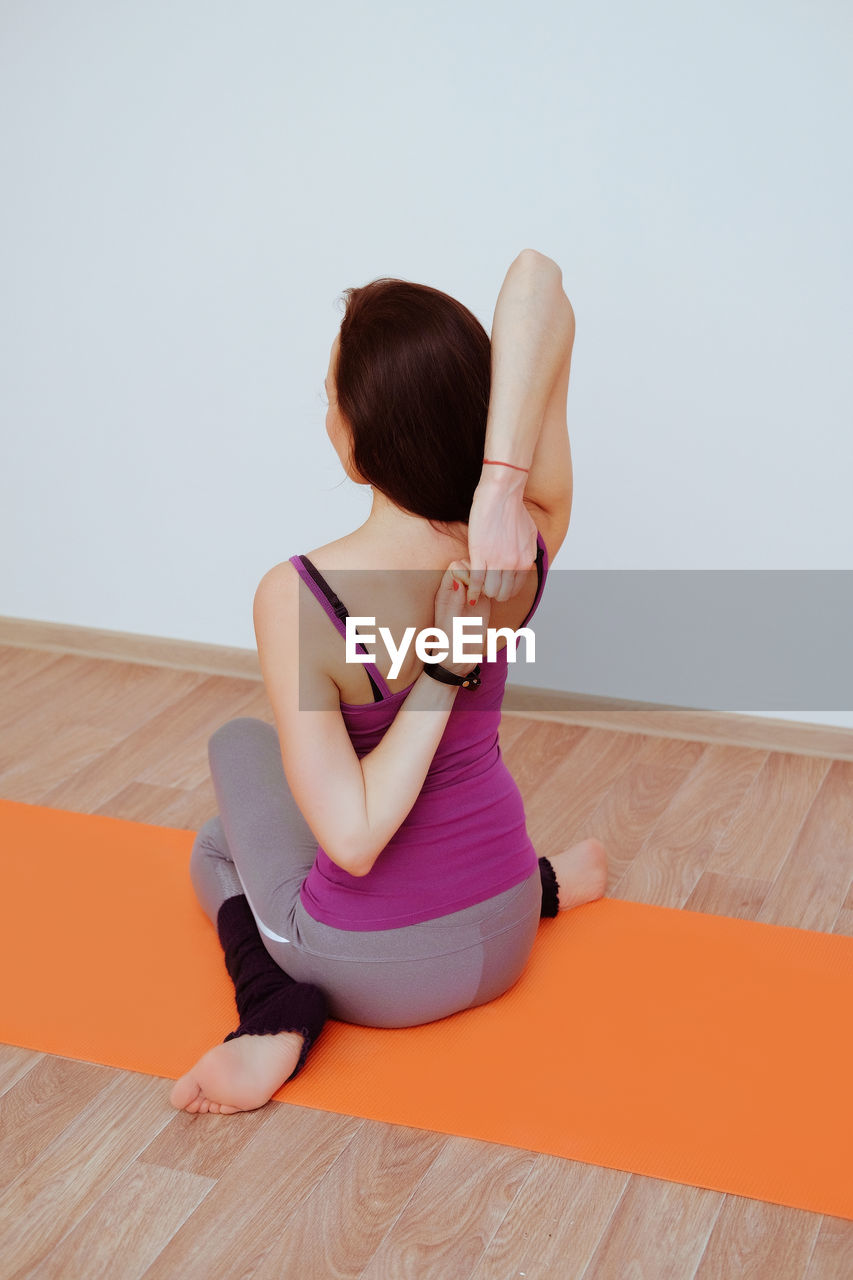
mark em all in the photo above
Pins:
pixel 261 845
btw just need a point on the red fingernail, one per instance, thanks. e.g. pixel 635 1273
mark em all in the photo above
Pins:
pixel 455 585
pixel 472 601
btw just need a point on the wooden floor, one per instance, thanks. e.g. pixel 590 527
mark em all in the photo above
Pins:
pixel 99 1176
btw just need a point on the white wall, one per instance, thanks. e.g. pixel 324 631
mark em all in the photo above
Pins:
pixel 189 185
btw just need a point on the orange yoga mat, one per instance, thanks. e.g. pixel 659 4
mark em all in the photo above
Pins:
pixel 690 1047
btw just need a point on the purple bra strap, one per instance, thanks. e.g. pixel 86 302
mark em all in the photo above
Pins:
pixel 336 610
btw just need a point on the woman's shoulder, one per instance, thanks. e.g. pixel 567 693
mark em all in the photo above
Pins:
pixel 326 554
pixel 280 591
pixel 355 552
pixel 340 551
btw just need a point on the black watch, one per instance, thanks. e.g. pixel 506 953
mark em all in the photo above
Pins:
pixel 471 681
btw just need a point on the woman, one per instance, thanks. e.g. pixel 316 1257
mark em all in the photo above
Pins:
pixel 370 859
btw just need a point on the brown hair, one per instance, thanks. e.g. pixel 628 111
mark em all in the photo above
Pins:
pixel 413 381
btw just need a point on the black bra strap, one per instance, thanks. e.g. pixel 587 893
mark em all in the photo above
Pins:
pixel 340 612
pixel 539 558
pixel 336 603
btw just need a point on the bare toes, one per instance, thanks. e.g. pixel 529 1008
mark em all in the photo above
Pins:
pixel 185 1092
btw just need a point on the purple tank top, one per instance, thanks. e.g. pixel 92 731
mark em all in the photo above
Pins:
pixel 465 838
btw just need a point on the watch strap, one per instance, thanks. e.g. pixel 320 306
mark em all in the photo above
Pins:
pixel 469 681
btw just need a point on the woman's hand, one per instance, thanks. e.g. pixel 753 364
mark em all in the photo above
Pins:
pixel 501 536
pixel 452 601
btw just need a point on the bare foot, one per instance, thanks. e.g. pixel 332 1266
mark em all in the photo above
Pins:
pixel 581 873
pixel 238 1075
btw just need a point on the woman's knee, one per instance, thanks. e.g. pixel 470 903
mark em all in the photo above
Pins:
pixel 239 730
pixel 238 726
pixel 210 845
pixel 212 872
pixel 210 839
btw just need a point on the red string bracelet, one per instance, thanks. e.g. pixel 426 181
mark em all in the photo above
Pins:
pixel 494 463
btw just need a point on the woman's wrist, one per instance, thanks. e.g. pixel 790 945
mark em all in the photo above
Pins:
pixel 507 479
pixel 434 693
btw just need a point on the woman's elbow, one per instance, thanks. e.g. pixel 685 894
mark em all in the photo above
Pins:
pixel 533 260
pixel 351 856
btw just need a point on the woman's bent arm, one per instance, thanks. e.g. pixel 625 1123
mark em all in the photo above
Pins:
pixel 353 806
pixel 394 771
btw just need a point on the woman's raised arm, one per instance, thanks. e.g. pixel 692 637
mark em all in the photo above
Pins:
pixel 532 337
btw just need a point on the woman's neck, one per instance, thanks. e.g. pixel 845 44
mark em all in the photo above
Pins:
pixel 389 524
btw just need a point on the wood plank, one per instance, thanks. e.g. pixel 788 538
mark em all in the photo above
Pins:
pixel 14 1063
pixel 752 1238
pixel 461 1202
pixel 536 751
pixel 814 879
pixel 74 690
pixel 161 806
pixel 61 1184
pixel 736 896
pixel 844 923
pixel 344 1220
pixel 18 667
pixel 555 1223
pixel 128 1226
pixel 27 774
pixel 631 807
pixel 679 752
pixel 28 685
pixel 561 804
pixel 41 1105
pixel 658 1229
pixel 179 732
pixel 832 1252
pixel 206 1145
pixel 757 840
pixel 180 762
pixel 259 1196
pixel 509 730
pixel 678 847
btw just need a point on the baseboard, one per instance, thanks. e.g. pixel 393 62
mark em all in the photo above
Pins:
pixel 695 725
pixel 124 646
pixel 726 727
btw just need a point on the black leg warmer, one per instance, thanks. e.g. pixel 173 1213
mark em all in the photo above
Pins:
pixel 268 999
pixel 550 900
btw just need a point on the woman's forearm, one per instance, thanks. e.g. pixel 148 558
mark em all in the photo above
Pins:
pixel 390 777
pixel 394 771
pixel 532 328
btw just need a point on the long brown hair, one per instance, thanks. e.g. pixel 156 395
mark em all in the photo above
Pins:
pixel 413 381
